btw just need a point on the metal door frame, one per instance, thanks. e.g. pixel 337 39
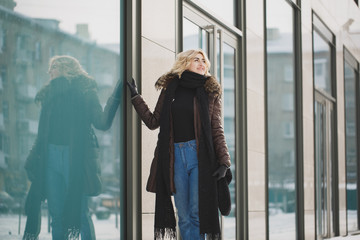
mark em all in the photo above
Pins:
pixel 329 155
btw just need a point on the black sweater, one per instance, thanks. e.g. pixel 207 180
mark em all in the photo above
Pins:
pixel 182 110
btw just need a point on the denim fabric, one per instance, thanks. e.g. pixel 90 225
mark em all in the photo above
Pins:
pixel 186 184
pixel 57 176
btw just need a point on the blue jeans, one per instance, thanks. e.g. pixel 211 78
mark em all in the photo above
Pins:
pixel 187 189
pixel 57 176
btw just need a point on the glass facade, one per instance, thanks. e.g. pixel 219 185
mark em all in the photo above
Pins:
pixel 265 150
pixel 281 137
pixel 352 159
pixel 294 173
pixel 32 32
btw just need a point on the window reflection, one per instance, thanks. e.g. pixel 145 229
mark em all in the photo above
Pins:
pixel 229 231
pixel 31 32
pixel 351 147
pixel 322 72
pixel 281 121
pixel 194 37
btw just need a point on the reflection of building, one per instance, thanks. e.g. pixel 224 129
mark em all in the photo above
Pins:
pixel 281 119
pixel 351 141
pixel 26 45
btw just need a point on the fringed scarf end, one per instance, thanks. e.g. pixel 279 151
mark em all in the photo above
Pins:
pixel 30 236
pixel 73 234
pixel 165 233
pixel 212 236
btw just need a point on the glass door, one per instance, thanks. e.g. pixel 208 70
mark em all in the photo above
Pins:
pixel 221 46
pixel 326 177
pixel 324 157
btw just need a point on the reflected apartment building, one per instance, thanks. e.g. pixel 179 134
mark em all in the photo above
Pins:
pixel 289 71
pixel 26 45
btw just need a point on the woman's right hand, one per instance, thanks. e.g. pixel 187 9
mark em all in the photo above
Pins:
pixel 132 88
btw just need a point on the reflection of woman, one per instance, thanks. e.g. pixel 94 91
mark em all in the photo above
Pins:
pixel 191 154
pixel 55 165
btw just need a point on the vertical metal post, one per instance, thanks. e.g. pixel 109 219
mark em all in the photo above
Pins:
pixel 48 217
pixel 20 210
pixel 214 50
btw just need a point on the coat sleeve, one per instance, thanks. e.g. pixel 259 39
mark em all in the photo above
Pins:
pixel 151 119
pixel 102 118
pixel 220 146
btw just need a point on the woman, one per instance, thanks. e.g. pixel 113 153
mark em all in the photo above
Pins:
pixel 191 153
pixel 63 147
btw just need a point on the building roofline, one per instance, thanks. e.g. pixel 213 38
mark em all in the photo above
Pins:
pixel 4 12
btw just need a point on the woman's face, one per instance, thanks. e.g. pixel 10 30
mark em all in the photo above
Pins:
pixel 54 71
pixel 198 64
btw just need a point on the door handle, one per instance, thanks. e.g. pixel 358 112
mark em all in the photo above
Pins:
pixel 215 39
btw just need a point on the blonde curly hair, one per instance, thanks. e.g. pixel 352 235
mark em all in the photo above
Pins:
pixel 68 67
pixel 184 59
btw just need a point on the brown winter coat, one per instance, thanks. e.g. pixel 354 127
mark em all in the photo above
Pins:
pixel 152 121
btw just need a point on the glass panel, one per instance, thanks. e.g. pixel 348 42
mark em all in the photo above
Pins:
pixel 31 33
pixel 194 37
pixel 224 9
pixel 331 172
pixel 229 231
pixel 351 147
pixel 281 121
pixel 320 167
pixel 322 64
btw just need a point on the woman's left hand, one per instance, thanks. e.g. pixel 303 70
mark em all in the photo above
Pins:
pixel 133 88
pixel 220 172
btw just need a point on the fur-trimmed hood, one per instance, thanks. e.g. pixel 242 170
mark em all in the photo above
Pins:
pixel 211 84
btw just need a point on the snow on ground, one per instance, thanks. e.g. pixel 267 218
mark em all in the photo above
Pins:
pixel 9 226
pixel 282 225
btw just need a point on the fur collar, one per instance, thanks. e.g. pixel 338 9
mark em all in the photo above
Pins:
pixel 211 84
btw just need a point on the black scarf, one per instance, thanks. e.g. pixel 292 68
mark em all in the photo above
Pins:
pixel 165 222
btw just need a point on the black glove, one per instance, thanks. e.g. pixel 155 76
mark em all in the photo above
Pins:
pixel 220 172
pixel 132 88
pixel 117 90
